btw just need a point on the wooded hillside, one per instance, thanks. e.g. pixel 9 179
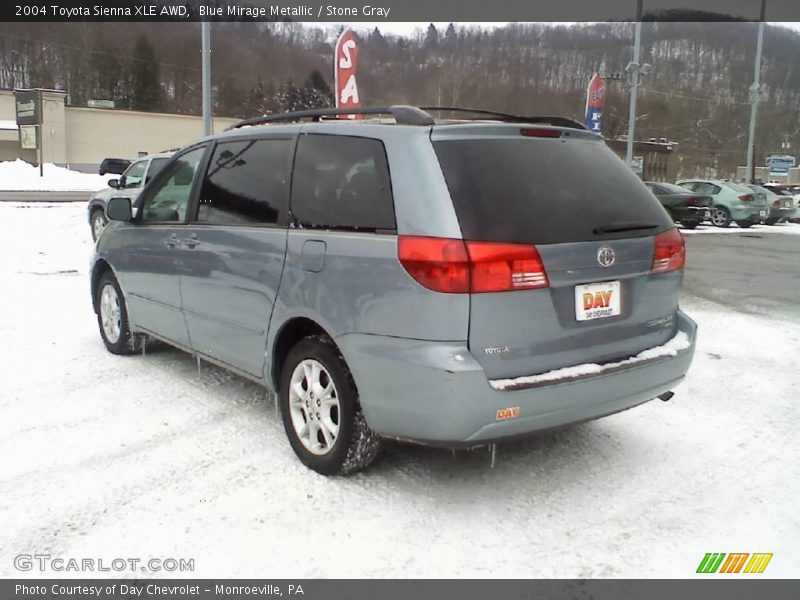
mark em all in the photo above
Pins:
pixel 696 93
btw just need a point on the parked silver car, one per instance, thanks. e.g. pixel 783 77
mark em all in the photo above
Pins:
pixel 730 201
pixel 129 185
pixel 452 283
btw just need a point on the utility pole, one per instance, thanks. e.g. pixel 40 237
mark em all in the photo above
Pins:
pixel 755 94
pixel 633 69
pixel 208 124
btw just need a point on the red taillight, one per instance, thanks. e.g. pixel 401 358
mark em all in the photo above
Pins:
pixel 457 267
pixel 542 133
pixel 746 197
pixel 439 264
pixel 670 252
pixel 692 201
pixel 505 267
pixel 776 204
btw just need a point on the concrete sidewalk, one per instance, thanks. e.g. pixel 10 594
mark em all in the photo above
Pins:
pixel 45 196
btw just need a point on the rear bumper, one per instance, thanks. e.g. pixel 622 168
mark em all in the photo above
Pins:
pixel 437 393
pixel 781 212
pixel 749 213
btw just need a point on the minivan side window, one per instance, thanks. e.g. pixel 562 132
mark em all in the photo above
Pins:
pixel 168 199
pixel 342 182
pixel 247 183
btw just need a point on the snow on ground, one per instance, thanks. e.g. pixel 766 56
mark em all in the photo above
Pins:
pixel 787 228
pixel 106 457
pixel 20 176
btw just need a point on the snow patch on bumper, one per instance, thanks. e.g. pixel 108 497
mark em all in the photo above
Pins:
pixel 679 343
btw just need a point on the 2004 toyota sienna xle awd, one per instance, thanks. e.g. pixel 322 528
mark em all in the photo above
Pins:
pixel 449 282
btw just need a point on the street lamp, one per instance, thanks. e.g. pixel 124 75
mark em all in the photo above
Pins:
pixel 755 96
pixel 635 72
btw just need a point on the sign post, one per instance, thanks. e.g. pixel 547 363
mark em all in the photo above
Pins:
pixel 344 71
pixel 29 122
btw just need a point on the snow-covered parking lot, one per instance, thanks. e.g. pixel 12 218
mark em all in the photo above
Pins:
pixel 104 457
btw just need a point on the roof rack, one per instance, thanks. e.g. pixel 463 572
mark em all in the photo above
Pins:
pixel 507 117
pixel 406 115
pixel 403 115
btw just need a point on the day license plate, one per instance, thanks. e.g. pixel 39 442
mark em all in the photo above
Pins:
pixel 597 300
pixel 762 213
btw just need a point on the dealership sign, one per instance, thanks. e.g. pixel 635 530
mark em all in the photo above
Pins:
pixel 344 71
pixel 595 98
pixel 29 107
pixel 780 165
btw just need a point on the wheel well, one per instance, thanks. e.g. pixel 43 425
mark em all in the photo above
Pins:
pixel 292 332
pixel 99 269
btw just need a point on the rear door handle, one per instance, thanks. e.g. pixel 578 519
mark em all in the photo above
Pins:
pixel 191 241
pixel 172 241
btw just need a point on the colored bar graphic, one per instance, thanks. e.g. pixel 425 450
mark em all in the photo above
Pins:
pixel 758 563
pixel 734 562
pixel 710 562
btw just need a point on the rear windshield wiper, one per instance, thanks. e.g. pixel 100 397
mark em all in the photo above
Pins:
pixel 617 227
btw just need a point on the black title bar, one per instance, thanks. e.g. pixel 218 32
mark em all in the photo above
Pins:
pixel 395 10
pixel 710 588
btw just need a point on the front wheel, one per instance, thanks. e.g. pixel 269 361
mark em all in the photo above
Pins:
pixel 771 221
pixel 112 317
pixel 744 224
pixel 99 222
pixel 320 410
pixel 690 224
pixel 720 216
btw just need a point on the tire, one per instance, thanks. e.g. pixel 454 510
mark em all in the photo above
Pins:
pixel 352 446
pixel 112 318
pixel 690 224
pixel 771 221
pixel 98 222
pixel 744 224
pixel 720 216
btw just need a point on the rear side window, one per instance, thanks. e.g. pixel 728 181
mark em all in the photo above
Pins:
pixel 741 188
pixel 342 182
pixel 544 191
pixel 670 188
pixel 246 183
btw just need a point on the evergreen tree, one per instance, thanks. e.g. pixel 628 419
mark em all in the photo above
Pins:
pixel 146 76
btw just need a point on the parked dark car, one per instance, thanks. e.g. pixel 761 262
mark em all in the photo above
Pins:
pixel 685 207
pixel 115 166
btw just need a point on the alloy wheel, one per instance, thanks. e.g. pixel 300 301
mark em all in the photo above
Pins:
pixel 314 406
pixel 110 313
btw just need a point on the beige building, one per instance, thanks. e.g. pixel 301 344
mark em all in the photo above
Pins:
pixel 80 138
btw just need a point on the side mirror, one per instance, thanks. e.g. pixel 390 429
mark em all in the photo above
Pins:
pixel 119 209
pixel 114 183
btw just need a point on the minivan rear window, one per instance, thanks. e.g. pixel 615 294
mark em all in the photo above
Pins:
pixel 545 191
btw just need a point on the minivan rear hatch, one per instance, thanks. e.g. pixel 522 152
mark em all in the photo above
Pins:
pixel 611 260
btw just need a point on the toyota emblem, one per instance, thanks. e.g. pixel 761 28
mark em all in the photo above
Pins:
pixel 606 256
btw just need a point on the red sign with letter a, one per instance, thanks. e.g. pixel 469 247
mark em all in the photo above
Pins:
pixel 344 71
